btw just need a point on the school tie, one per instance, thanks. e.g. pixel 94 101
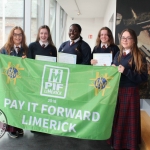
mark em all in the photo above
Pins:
pixel 43 45
pixel 103 47
pixel 124 54
pixel 17 48
pixel 72 42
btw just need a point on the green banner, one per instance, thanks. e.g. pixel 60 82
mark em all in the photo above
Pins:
pixel 56 98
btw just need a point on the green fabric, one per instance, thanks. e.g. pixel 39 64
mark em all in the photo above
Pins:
pixel 62 99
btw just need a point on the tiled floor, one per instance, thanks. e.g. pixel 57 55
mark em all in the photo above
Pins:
pixel 41 141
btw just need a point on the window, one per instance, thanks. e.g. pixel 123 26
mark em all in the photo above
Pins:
pixel 10 16
pixel 62 24
pixel 37 17
pixel 53 19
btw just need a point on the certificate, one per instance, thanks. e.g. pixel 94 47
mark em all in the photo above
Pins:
pixel 45 58
pixel 103 59
pixel 66 58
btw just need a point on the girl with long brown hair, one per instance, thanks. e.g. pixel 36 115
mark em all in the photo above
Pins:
pixel 15 46
pixel 43 44
pixel 16 43
pixel 126 131
pixel 104 44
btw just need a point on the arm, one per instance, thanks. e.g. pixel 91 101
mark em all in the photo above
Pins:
pixel 115 60
pixel 115 50
pixel 133 75
pixel 94 49
pixel 3 51
pixel 30 52
pixel 61 47
pixel 86 54
pixel 54 52
pixel 93 61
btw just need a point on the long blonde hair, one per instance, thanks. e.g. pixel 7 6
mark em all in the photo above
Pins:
pixel 10 43
pixel 137 55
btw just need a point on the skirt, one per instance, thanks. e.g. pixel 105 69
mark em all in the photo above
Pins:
pixel 12 129
pixel 9 128
pixel 126 130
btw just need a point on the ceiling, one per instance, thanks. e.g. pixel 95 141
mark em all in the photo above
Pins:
pixel 88 8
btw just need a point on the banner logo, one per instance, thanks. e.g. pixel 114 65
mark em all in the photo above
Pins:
pixel 12 72
pixel 100 83
pixel 3 123
pixel 54 81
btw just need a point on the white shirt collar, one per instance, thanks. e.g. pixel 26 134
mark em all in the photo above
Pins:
pixel 41 43
pixel 127 51
pixel 16 48
pixel 104 44
pixel 76 40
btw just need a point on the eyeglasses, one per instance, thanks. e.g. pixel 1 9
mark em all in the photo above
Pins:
pixel 19 35
pixel 127 38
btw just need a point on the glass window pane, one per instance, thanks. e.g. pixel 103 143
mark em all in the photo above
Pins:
pixel 62 24
pixel 37 17
pixel 53 19
pixel 10 16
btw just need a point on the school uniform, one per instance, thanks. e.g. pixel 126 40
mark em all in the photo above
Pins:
pixel 108 49
pixel 126 130
pixel 37 48
pixel 79 48
pixel 19 52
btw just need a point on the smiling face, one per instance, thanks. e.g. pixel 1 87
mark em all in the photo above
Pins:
pixel 74 32
pixel 127 40
pixel 17 37
pixel 43 35
pixel 104 37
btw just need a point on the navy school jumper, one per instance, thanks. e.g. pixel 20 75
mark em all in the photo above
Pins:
pixel 110 49
pixel 36 49
pixel 80 48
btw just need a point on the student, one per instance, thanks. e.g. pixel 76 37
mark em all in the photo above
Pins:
pixel 76 45
pixel 104 44
pixel 15 46
pixel 126 131
pixel 43 44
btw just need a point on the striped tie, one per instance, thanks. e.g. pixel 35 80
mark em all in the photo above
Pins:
pixel 17 48
pixel 124 53
pixel 72 42
pixel 43 45
pixel 103 47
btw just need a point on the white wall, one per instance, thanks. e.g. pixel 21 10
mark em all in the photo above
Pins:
pixel 110 10
pixel 89 27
